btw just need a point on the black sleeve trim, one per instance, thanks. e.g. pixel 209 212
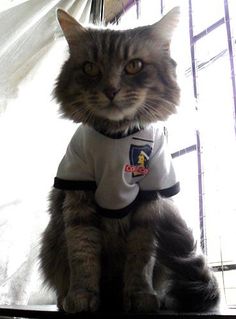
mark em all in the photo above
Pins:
pixel 74 185
pixel 171 191
pixel 115 213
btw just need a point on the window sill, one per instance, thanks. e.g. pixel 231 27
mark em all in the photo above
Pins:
pixel 50 311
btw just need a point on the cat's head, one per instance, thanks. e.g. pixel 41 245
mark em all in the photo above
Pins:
pixel 115 80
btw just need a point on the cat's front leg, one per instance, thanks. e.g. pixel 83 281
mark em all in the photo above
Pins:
pixel 139 294
pixel 84 246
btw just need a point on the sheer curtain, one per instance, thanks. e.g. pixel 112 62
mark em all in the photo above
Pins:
pixel 32 137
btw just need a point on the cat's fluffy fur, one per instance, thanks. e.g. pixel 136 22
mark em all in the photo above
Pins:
pixel 147 259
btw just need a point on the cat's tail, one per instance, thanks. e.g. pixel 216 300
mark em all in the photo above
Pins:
pixel 192 285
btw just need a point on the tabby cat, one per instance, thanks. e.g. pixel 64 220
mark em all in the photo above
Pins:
pixel 115 240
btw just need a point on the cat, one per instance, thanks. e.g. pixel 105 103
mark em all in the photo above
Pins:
pixel 115 240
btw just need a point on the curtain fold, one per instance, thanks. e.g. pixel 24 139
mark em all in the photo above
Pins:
pixel 32 139
pixel 27 32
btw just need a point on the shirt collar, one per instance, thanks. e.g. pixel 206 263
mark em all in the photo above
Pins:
pixel 120 135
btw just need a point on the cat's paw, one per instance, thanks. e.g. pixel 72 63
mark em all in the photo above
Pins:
pixel 82 301
pixel 141 302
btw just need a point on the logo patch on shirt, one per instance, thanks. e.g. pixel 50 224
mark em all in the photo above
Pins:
pixel 139 159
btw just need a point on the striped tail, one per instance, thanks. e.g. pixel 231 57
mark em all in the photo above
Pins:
pixel 193 286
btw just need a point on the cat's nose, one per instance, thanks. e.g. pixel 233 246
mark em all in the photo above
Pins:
pixel 111 92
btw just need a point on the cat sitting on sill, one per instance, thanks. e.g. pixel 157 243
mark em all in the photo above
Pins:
pixel 115 240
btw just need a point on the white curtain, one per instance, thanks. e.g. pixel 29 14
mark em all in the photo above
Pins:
pixel 32 137
pixel 27 31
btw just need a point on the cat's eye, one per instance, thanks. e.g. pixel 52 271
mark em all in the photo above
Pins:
pixel 91 69
pixel 134 66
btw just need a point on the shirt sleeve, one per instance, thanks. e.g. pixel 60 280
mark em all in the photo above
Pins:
pixel 161 176
pixel 74 172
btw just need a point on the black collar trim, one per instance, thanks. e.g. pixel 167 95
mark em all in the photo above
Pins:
pixel 120 134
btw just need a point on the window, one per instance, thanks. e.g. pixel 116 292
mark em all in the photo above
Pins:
pixel 202 135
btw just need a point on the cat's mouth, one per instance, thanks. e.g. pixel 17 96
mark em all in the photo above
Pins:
pixel 115 112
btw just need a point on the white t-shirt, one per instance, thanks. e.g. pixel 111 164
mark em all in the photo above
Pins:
pixel 118 169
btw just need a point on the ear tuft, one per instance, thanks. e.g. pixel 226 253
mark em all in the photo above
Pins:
pixel 70 27
pixel 166 26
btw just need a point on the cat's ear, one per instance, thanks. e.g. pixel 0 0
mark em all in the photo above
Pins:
pixel 71 28
pixel 164 28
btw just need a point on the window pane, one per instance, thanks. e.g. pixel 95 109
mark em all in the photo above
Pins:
pixel 187 199
pixel 211 46
pixel 219 158
pixel 205 13
pixel 128 18
pixel 230 286
pixel 150 12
